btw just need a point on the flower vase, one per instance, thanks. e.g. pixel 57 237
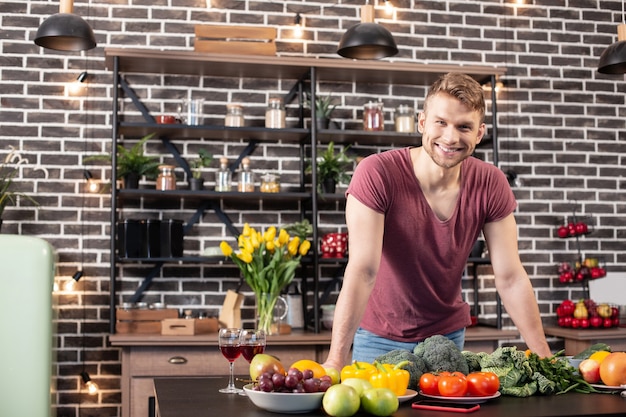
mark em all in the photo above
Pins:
pixel 270 309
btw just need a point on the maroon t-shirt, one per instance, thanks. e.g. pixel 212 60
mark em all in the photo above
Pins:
pixel 418 288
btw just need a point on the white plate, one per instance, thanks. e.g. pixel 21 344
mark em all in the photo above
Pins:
pixel 468 399
pixel 609 387
pixel 406 397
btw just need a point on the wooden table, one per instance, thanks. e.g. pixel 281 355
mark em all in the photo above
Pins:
pixel 577 340
pixel 199 397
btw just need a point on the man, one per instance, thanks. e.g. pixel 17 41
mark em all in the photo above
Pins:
pixel 413 216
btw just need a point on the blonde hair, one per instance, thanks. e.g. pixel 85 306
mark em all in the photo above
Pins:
pixel 461 86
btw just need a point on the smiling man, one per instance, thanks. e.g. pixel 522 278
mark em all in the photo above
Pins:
pixel 413 216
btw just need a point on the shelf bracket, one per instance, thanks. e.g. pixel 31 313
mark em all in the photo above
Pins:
pixel 246 152
pixel 136 101
pixel 147 281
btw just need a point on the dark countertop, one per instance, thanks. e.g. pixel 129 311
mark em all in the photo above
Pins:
pixel 199 397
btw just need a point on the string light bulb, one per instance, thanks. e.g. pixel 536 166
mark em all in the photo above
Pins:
pixel 76 87
pixel 389 9
pixel 70 284
pixel 92 387
pixel 297 29
pixel 93 185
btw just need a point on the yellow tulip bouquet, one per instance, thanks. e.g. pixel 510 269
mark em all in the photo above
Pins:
pixel 268 263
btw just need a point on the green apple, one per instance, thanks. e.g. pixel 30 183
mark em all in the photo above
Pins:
pixel 341 401
pixel 360 385
pixel 380 402
pixel 333 374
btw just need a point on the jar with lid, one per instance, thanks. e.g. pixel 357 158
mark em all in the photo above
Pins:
pixel 405 119
pixel 275 113
pixel 270 183
pixel 234 116
pixel 166 179
pixel 223 177
pixel 373 118
pixel 246 180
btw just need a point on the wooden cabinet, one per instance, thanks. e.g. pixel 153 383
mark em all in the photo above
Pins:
pixel 308 73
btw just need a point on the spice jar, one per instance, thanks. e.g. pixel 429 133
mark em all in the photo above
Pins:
pixel 405 119
pixel 275 113
pixel 223 176
pixel 234 116
pixel 166 179
pixel 373 118
pixel 246 180
pixel 270 183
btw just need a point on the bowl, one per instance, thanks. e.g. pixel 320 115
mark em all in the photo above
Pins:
pixel 284 402
pixel 574 361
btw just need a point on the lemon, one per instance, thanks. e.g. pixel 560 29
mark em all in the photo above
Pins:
pixel 599 355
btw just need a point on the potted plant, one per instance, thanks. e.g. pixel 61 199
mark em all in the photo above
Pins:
pixel 196 182
pixel 332 168
pixel 132 163
pixel 324 107
pixel 8 172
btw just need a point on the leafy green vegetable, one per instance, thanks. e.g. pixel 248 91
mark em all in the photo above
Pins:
pixel 591 350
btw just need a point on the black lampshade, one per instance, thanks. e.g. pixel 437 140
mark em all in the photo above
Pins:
pixel 367 41
pixel 65 32
pixel 613 59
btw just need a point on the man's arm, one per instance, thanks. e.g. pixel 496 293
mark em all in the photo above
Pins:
pixel 513 283
pixel 365 240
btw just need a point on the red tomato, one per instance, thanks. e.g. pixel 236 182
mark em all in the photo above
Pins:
pixel 429 384
pixel 452 385
pixel 482 384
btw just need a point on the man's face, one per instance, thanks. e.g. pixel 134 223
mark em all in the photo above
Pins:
pixel 450 131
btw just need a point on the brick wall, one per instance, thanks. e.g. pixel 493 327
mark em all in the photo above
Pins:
pixel 561 130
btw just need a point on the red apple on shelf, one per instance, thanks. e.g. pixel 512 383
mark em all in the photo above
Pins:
pixel 590 371
pixel 595 321
pixel 562 232
pixel 581 228
pixel 607 322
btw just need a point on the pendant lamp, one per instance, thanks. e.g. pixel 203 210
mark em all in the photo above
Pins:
pixel 367 40
pixel 613 59
pixel 65 31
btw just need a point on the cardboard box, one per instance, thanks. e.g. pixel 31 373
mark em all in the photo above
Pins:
pixel 189 327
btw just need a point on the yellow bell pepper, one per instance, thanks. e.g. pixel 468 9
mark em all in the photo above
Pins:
pixel 362 370
pixel 391 376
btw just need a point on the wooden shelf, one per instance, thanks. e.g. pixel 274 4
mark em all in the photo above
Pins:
pixel 327 69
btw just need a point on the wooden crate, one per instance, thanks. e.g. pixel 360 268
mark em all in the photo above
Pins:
pixel 142 321
pixel 189 327
pixel 245 40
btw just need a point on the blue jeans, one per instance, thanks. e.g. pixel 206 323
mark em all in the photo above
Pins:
pixel 368 346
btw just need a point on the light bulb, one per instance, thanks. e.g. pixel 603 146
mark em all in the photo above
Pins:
pixel 76 87
pixel 297 29
pixel 92 387
pixel 389 9
pixel 70 284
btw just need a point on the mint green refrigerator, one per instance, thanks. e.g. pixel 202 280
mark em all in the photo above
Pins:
pixel 27 279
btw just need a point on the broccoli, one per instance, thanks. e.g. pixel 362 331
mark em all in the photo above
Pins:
pixel 472 359
pixel 441 354
pixel 416 366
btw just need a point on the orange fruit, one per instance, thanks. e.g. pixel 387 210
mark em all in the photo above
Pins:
pixel 599 355
pixel 301 365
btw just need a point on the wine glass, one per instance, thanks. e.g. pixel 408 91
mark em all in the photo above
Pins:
pixel 252 342
pixel 230 345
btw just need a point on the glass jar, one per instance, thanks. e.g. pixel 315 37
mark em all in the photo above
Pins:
pixel 166 179
pixel 373 118
pixel 270 183
pixel 234 116
pixel 405 119
pixel 246 180
pixel 223 177
pixel 275 113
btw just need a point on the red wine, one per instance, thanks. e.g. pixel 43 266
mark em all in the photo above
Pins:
pixel 231 352
pixel 248 351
